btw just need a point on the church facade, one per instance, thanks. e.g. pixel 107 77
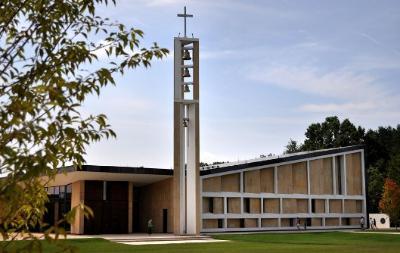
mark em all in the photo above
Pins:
pixel 322 189
pixel 312 190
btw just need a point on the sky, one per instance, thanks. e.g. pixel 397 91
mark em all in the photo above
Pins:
pixel 268 69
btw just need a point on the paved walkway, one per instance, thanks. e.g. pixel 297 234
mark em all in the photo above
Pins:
pixel 145 239
pixel 141 239
pixel 376 232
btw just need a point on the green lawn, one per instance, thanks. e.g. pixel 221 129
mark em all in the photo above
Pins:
pixel 340 242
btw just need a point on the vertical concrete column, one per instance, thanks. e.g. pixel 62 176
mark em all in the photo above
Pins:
pixel 130 207
pixel 241 182
pixel 193 174
pixel 186 188
pixel 78 197
pixel 193 152
pixel 335 191
pixel 364 193
pixel 308 178
pixel 344 176
pixel 179 144
pixel 276 180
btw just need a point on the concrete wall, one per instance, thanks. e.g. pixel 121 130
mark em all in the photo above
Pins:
pixel 77 197
pixel 267 180
pixel 335 206
pixel 271 205
pixel 292 178
pixel 321 177
pixel 153 199
pixel 210 223
pixel 274 196
pixel 353 174
pixel 230 183
pixel 212 184
pixel 233 205
pixel 269 222
pixel 252 181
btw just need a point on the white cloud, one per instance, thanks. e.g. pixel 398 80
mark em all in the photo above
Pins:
pixel 344 91
pixel 341 84
pixel 337 107
pixel 158 3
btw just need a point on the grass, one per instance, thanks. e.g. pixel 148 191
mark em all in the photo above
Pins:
pixel 339 242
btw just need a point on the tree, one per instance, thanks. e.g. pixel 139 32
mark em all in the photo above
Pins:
pixel 375 188
pixel 394 168
pixel 390 202
pixel 292 147
pixel 48 67
pixel 332 133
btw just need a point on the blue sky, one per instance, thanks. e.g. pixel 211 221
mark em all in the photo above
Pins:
pixel 268 69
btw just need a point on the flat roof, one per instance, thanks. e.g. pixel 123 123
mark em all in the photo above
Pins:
pixel 118 169
pixel 232 166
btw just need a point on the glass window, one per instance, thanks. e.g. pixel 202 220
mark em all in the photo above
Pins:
pixel 69 188
pixel 56 190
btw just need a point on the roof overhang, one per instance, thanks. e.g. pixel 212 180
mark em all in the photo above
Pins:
pixel 139 176
pixel 136 179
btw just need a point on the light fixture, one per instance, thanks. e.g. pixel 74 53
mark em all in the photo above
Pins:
pixel 185 122
pixel 186 88
pixel 186 55
pixel 186 73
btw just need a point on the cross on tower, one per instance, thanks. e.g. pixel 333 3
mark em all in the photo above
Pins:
pixel 184 15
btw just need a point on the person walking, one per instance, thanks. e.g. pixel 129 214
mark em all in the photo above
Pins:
pixel 298 223
pixel 150 226
pixel 374 223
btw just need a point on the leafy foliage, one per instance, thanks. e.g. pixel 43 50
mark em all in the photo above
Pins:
pixel 390 201
pixel 49 65
pixel 332 133
pixel 293 147
pixel 375 188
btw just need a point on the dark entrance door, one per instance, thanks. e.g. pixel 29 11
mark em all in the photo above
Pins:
pixel 165 220
pixel 109 203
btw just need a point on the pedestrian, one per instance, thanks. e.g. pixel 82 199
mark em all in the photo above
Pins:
pixel 150 226
pixel 375 224
pixel 298 223
pixel 305 224
pixel 362 222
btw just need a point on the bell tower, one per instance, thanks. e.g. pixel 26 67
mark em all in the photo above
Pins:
pixel 186 134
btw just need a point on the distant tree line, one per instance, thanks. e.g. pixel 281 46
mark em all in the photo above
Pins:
pixel 382 156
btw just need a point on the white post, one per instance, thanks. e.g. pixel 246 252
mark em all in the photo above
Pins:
pixel 191 203
pixel 363 185
pixel 344 175
pixel 308 177
pixel 334 175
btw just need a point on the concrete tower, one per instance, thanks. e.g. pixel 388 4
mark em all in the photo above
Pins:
pixel 186 134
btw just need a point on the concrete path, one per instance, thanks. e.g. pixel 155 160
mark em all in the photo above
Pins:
pixel 140 239
pixel 145 239
pixel 376 232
